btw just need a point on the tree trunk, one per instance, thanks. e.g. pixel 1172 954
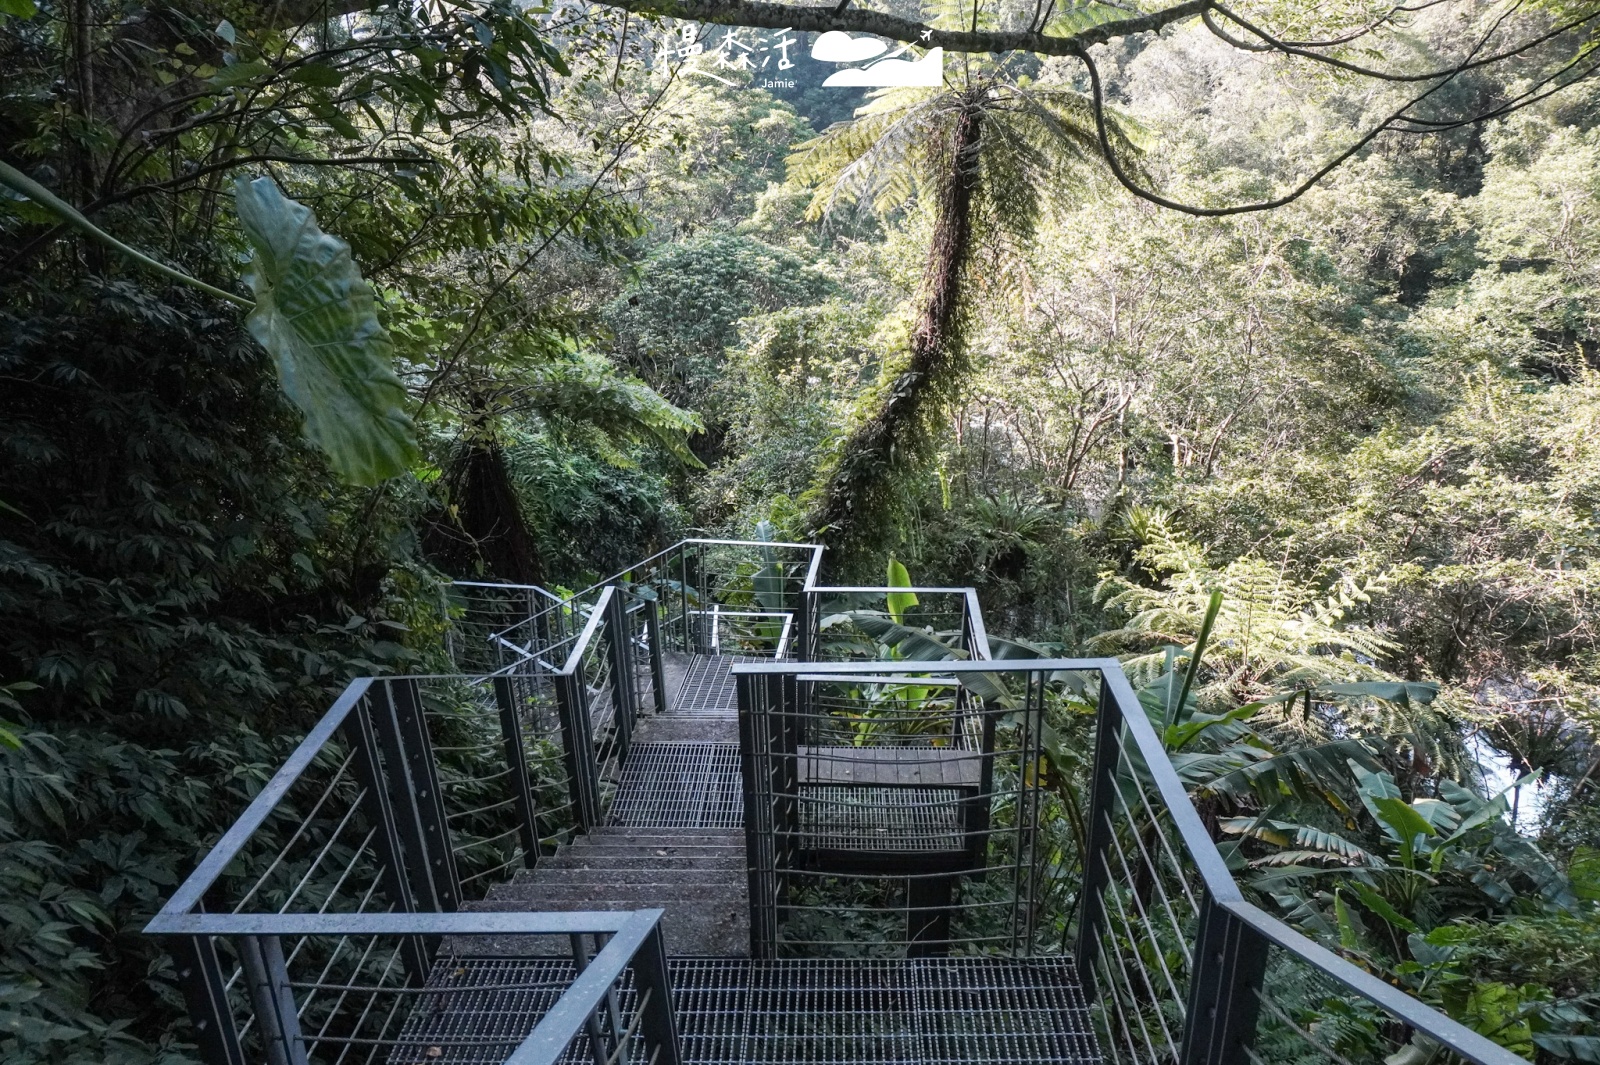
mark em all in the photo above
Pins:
pixel 490 515
pixel 858 496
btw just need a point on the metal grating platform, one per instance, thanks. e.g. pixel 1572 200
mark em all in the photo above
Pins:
pixel 680 785
pixel 881 819
pixel 476 1011
pixel 708 688
pixel 931 1011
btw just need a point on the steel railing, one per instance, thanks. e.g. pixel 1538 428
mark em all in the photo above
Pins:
pixel 736 596
pixel 890 810
pixel 325 924
pixel 905 794
pixel 480 609
pixel 1096 850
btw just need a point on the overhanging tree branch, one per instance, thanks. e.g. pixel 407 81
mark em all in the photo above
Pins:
pixel 1127 182
pixel 820 18
pixel 1271 43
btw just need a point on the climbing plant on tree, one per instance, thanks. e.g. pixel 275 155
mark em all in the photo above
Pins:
pixel 986 154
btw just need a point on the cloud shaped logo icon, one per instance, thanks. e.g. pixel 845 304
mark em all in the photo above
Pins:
pixel 836 46
pixel 927 72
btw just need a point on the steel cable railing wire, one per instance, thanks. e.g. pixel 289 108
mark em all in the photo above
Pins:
pixel 1186 968
pixel 319 882
pixel 689 574
pixel 1180 966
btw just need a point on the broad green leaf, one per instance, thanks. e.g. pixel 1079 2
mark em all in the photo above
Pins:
pixel 1441 815
pixel 1349 939
pixel 240 74
pixel 768 582
pixel 1372 784
pixel 1400 816
pixel 1585 1048
pixel 1178 736
pixel 913 644
pixel 36 1029
pixel 1380 906
pixel 899 602
pixel 19 8
pixel 317 318
pixel 1403 823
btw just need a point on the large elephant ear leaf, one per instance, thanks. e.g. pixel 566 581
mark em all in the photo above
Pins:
pixel 316 316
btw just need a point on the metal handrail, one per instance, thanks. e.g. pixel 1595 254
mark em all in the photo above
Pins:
pixel 538 589
pixel 635 941
pixel 189 894
pixel 1122 710
pixel 379 765
pixel 621 575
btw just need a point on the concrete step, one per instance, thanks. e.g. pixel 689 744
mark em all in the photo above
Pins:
pixel 718 927
pixel 620 858
pixel 627 877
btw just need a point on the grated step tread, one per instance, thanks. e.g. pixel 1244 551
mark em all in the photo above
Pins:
pixel 940 1011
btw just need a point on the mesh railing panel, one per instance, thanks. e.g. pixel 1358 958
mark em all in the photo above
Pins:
pixel 902 816
pixel 1303 1017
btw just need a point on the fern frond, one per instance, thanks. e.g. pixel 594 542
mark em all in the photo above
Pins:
pixel 1075 18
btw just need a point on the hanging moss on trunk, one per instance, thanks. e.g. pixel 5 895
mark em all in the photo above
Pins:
pixel 859 494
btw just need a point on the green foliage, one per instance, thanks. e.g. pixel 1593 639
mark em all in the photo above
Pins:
pixel 182 588
pixel 316 316
pixel 589 513
pixel 676 322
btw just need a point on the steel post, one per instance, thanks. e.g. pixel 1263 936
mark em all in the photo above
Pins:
pixel 267 980
pixel 658 670
pixel 578 748
pixel 402 796
pixel 623 705
pixel 406 699
pixel 660 1022
pixel 683 598
pixel 1230 959
pixel 755 722
pixel 928 903
pixel 505 698
pixel 1096 870
pixel 360 736
pixel 200 977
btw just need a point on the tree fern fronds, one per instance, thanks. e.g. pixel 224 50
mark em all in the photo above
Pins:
pixel 1075 18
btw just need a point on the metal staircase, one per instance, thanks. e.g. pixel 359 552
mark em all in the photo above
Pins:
pixel 712 811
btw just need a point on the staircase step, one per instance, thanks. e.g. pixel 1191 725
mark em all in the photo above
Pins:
pixel 653 849
pixel 713 920
pixel 663 837
pixel 644 859
pixel 688 728
pixel 626 877
pixel 612 897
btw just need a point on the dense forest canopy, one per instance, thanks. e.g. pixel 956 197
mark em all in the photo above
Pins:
pixel 1294 302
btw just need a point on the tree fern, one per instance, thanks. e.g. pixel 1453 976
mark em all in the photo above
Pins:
pixel 987 156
